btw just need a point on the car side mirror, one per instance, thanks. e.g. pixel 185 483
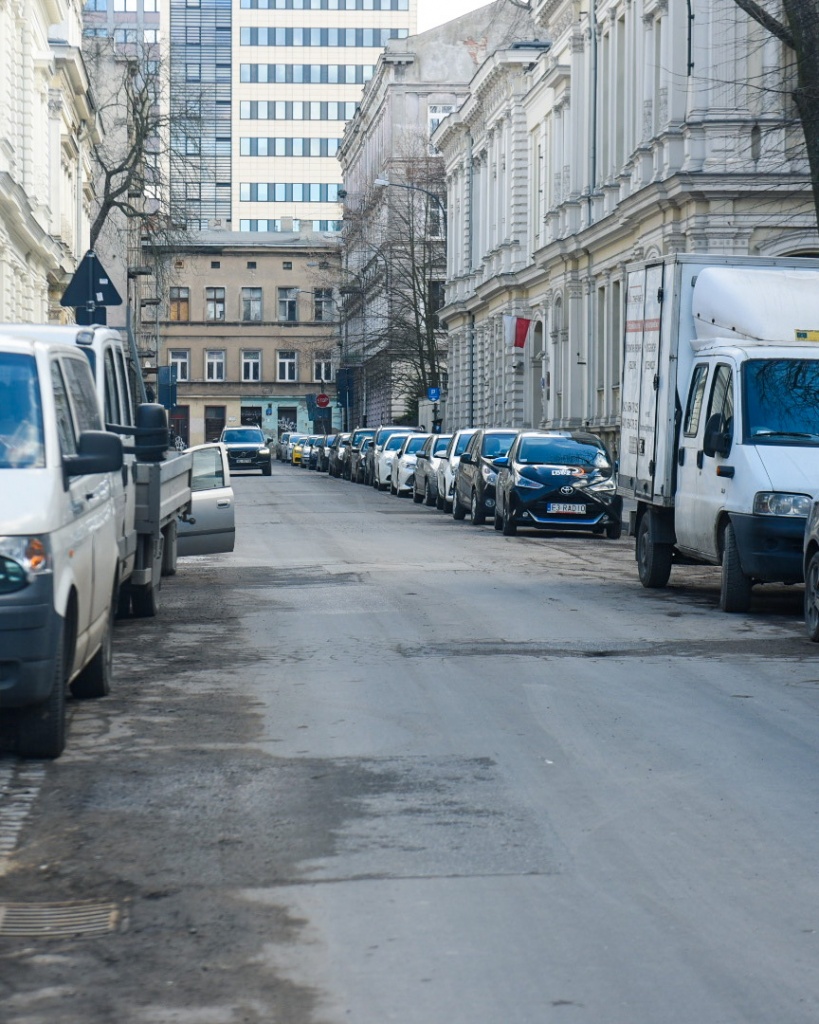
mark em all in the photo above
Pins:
pixel 500 462
pixel 717 437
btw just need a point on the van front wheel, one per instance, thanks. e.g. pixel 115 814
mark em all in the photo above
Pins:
pixel 735 589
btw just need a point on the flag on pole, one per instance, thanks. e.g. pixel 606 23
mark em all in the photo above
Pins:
pixel 516 331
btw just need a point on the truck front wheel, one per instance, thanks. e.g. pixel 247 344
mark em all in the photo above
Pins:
pixel 653 558
pixel 735 590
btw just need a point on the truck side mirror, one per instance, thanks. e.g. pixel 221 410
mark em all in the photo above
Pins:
pixel 98 451
pixel 151 437
pixel 717 437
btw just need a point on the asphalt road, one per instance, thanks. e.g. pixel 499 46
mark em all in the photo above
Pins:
pixel 381 766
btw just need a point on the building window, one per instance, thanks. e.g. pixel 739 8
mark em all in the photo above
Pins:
pixel 180 360
pixel 324 305
pixel 436 295
pixel 252 365
pixel 323 367
pixel 215 364
pixel 287 265
pixel 251 264
pixel 286 368
pixel 180 304
pixel 252 304
pixel 288 305
pixel 215 264
pixel 214 303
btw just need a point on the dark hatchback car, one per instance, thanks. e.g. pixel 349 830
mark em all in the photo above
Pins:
pixel 247 448
pixel 476 475
pixel 557 481
pixel 337 454
pixel 357 439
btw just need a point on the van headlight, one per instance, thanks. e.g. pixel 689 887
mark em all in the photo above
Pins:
pixel 21 560
pixel 780 503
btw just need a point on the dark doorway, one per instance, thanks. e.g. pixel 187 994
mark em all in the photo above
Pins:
pixel 214 421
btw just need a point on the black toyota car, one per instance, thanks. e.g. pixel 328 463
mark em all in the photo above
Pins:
pixel 557 481
pixel 247 448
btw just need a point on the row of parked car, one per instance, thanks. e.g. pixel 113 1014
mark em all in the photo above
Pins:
pixel 544 480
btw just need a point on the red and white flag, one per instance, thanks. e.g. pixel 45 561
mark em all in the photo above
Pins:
pixel 516 331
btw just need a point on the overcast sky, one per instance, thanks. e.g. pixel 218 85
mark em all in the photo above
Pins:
pixel 436 12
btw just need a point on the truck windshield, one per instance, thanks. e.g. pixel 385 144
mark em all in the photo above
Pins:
pixel 781 401
pixel 21 416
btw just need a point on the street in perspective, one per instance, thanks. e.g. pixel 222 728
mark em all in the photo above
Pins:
pixel 377 764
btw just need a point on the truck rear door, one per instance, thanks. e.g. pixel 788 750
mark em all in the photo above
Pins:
pixel 641 386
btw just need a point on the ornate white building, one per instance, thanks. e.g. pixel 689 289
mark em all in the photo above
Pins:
pixel 618 131
pixel 48 127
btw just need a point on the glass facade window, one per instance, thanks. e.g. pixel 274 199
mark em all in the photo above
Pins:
pixel 287 110
pixel 287 192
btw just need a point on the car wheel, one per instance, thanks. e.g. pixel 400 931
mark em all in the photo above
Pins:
pixel 429 497
pixel 508 526
pixel 416 497
pixel 439 502
pixel 735 589
pixel 145 601
pixel 458 511
pixel 614 530
pixel 267 470
pixel 812 598
pixel 95 678
pixel 40 728
pixel 476 512
pixel 497 522
pixel 653 558
pixel 393 489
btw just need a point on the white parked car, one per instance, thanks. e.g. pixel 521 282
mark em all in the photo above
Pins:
pixel 449 466
pixel 384 459
pixel 428 460
pixel 403 472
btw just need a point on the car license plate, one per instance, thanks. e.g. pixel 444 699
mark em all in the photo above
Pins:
pixel 244 460
pixel 561 509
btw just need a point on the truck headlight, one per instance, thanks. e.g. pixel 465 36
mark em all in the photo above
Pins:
pixel 779 503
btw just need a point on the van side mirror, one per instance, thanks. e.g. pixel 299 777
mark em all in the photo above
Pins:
pixel 98 451
pixel 718 436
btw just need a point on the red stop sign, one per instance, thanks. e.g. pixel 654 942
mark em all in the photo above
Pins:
pixel 322 401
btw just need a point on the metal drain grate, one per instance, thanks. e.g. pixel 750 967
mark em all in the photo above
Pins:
pixel 58 920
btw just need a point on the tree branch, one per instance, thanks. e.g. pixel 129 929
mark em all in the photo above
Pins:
pixel 767 21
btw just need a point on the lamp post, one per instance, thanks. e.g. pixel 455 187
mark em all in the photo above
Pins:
pixel 386 183
pixel 132 274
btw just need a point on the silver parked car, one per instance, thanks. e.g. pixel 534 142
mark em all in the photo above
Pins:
pixel 210 528
pixel 425 487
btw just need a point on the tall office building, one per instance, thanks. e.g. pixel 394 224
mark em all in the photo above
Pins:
pixel 260 93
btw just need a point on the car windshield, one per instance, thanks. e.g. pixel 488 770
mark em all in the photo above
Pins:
pixel 394 442
pixel 561 451
pixel 21 416
pixel 242 435
pixel 781 401
pixel 462 442
pixel 495 446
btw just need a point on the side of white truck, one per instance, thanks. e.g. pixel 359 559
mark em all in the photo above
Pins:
pixel 720 417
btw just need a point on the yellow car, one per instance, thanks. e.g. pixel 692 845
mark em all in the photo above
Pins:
pixel 298 447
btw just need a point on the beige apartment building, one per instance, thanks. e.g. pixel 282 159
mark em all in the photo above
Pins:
pixel 249 329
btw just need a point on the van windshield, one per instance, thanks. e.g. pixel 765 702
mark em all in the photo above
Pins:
pixel 781 401
pixel 21 415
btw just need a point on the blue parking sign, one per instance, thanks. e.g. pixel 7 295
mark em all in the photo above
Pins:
pixel 433 394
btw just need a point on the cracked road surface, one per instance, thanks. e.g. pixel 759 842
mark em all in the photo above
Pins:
pixel 381 766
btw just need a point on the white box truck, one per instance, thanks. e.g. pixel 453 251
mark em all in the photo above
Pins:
pixel 719 444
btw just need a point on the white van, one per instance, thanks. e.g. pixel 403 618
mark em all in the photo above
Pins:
pixel 58 541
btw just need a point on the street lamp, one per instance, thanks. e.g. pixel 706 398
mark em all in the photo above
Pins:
pixel 385 183
pixel 132 274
